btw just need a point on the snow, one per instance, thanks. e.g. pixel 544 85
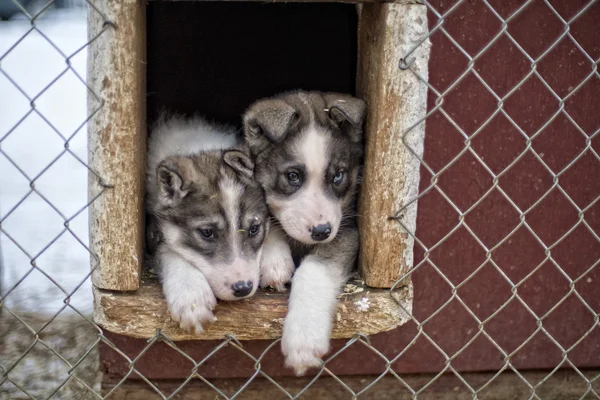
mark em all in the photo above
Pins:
pixel 363 304
pixel 33 140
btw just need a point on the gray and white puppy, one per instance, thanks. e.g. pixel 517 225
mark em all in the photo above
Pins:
pixel 209 213
pixel 308 151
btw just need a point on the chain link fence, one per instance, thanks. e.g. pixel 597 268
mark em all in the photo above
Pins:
pixel 506 247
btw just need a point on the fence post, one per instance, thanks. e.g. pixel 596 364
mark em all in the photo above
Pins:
pixel 117 141
pixel 397 99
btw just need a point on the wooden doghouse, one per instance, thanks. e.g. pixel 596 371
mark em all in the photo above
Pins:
pixel 215 59
pixel 453 277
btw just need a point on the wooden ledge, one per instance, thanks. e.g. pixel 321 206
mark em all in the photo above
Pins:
pixel 275 1
pixel 138 314
pixel 405 2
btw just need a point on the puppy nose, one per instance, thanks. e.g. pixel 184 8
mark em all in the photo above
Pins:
pixel 321 232
pixel 241 288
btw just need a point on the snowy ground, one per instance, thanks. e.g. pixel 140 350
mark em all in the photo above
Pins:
pixel 32 144
pixel 62 360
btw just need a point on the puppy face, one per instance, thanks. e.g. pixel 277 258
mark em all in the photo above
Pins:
pixel 212 213
pixel 308 149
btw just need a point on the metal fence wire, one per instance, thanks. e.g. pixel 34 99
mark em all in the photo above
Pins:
pixel 507 241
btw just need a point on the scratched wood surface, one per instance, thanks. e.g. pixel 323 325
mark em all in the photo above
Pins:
pixel 396 99
pixel 117 141
pixel 139 314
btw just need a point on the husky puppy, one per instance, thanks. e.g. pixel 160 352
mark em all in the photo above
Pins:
pixel 308 151
pixel 209 213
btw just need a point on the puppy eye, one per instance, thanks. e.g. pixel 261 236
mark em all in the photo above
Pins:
pixel 293 178
pixel 206 233
pixel 254 229
pixel 338 178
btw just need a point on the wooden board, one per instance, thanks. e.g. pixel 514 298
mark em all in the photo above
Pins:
pixel 276 1
pixel 396 100
pixel 117 141
pixel 302 1
pixel 139 314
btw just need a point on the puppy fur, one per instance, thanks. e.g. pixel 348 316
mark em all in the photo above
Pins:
pixel 208 217
pixel 308 151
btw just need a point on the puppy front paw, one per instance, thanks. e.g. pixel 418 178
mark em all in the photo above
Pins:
pixel 276 266
pixel 303 348
pixel 192 306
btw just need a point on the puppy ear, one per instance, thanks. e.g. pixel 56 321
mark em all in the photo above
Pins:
pixel 172 185
pixel 348 113
pixel 271 119
pixel 240 162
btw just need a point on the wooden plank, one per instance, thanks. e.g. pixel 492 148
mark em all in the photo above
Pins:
pixel 565 384
pixel 396 100
pixel 298 1
pixel 273 1
pixel 117 141
pixel 139 314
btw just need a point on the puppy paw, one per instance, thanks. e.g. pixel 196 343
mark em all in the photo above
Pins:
pixel 303 349
pixel 276 266
pixel 192 305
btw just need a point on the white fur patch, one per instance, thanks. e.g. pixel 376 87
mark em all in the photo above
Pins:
pixel 231 193
pixel 307 326
pixel 313 150
pixel 190 298
pixel 183 136
pixel 171 233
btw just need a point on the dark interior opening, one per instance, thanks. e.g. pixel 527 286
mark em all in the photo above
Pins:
pixel 216 58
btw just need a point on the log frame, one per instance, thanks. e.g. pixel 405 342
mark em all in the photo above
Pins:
pixel 117 141
pixel 397 99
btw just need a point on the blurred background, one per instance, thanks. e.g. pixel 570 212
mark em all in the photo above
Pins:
pixel 44 263
pixel 39 114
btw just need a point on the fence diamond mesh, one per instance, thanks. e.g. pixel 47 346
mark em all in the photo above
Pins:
pixel 506 247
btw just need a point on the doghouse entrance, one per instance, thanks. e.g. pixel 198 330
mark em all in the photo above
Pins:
pixel 215 59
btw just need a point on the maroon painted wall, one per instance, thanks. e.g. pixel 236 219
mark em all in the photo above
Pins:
pixel 498 144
